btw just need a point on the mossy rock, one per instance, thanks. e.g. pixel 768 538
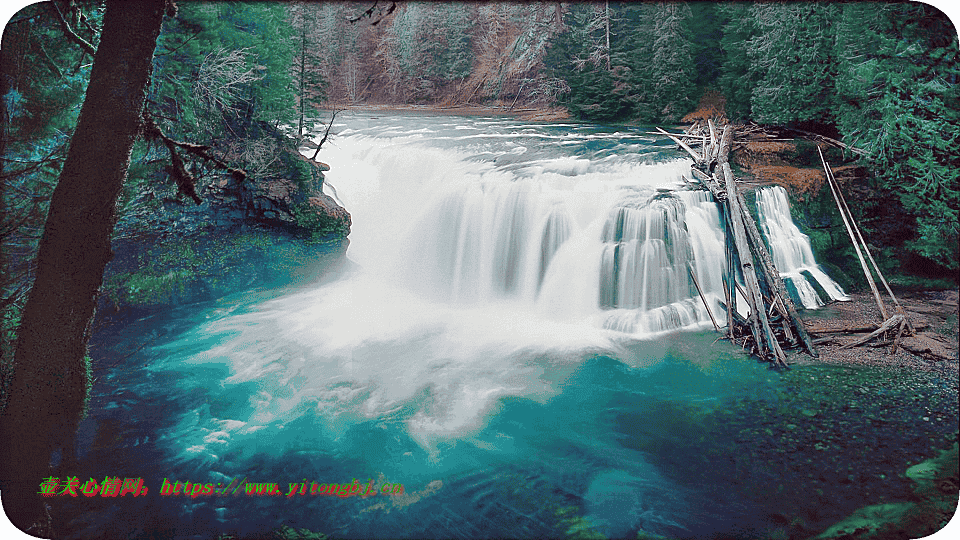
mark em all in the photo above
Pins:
pixel 936 502
pixel 868 522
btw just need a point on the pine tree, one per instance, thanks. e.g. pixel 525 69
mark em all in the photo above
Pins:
pixel 50 377
pixel 672 73
pixel 899 99
pixel 599 78
pixel 309 83
pixel 792 63
pixel 737 77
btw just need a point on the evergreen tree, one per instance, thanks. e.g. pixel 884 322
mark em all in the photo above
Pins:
pixel 900 100
pixel 425 47
pixel 792 63
pixel 672 73
pixel 306 71
pixel 705 27
pixel 50 380
pixel 598 77
pixel 227 60
pixel 737 76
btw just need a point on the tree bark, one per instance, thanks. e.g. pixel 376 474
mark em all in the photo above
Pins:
pixel 49 385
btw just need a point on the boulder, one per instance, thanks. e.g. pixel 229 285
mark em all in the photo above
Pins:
pixel 332 216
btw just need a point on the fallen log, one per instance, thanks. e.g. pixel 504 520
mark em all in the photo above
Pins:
pixel 887 325
pixel 685 146
pixel 844 330
pixel 759 324
pixel 746 255
pixel 774 282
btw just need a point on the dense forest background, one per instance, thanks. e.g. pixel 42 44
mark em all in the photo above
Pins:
pixel 882 77
pixel 243 79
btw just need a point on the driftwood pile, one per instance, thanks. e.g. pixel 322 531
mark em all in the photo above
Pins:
pixel 772 323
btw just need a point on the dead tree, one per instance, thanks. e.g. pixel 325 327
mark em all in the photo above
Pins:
pixel 747 255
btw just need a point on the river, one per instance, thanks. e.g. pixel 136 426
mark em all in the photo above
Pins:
pixel 516 341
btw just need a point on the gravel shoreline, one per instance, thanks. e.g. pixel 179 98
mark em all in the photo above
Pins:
pixel 934 315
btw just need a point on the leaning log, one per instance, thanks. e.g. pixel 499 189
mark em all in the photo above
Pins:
pixel 774 282
pixel 856 245
pixel 831 178
pixel 887 325
pixel 759 324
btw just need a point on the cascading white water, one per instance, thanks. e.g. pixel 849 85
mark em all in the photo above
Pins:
pixel 492 258
pixel 572 238
pixel 512 313
pixel 791 251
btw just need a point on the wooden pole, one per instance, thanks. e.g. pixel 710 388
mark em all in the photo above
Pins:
pixel 856 246
pixel 702 298
pixel 866 248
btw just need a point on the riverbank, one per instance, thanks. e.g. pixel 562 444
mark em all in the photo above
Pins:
pixel 933 314
pixel 932 349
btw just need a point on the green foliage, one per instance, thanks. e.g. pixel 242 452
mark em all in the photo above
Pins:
pixel 575 526
pixel 599 79
pixel 737 76
pixel 899 101
pixel 670 65
pixel 223 60
pixel 43 77
pixel 647 72
pixel 426 46
pixel 706 29
pixel 289 533
pixel 9 323
pixel 791 60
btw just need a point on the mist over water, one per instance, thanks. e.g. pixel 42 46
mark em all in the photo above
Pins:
pixel 515 291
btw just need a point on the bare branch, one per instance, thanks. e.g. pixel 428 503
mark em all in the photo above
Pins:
pixel 186 183
pixel 84 44
pixel 325 134
pixel 382 13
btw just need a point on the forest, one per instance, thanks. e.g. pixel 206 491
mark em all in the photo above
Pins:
pixel 882 77
pixel 235 88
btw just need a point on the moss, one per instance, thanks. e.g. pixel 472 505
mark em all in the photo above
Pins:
pixel 208 265
pixel 145 288
pixel 315 227
pixel 936 498
pixel 289 533
pixel 576 526
pixel 8 341
pixel 87 386
pixel 866 522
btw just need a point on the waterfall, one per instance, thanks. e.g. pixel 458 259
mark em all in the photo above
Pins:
pixel 471 219
pixel 791 251
pixel 506 331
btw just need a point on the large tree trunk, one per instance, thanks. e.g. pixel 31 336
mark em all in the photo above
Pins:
pixel 49 383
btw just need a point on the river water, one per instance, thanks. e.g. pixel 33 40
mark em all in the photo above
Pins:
pixel 516 340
